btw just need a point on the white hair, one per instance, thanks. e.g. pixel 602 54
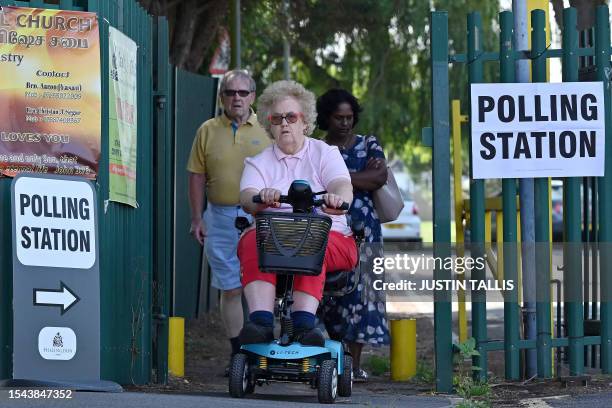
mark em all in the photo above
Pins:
pixel 237 73
pixel 281 90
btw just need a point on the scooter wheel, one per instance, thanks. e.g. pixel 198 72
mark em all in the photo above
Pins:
pixel 345 383
pixel 239 381
pixel 328 382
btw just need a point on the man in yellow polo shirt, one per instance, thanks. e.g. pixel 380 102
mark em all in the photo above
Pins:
pixel 215 165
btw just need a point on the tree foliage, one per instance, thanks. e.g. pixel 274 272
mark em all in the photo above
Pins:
pixel 193 26
pixel 379 49
pixel 585 10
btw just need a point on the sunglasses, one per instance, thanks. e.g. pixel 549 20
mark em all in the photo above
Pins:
pixel 290 117
pixel 232 92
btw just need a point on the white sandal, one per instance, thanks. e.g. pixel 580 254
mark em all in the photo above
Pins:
pixel 360 375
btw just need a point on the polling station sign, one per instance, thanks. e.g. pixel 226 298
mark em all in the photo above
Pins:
pixel 529 130
pixel 54 223
pixel 56 279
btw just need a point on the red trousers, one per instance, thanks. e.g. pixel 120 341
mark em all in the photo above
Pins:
pixel 341 255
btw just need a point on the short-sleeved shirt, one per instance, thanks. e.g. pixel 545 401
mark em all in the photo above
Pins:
pixel 219 150
pixel 316 162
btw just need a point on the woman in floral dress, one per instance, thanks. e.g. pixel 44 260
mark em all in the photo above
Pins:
pixel 359 317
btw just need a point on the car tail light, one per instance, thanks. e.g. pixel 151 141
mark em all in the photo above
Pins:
pixel 415 210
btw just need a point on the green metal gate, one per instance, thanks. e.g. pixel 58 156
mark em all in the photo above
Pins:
pixel 191 279
pixel 575 340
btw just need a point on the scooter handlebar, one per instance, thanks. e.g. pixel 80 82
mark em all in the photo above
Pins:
pixel 285 199
pixel 344 206
pixel 257 199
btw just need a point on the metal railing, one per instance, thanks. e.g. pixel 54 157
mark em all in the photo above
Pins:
pixel 512 344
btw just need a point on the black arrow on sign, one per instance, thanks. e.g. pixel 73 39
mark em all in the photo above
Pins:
pixel 62 297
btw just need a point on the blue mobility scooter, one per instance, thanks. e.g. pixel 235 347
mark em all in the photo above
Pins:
pixel 291 244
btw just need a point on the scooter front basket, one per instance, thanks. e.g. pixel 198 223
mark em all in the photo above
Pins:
pixel 289 243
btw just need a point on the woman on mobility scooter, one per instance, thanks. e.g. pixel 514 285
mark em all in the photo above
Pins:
pixel 287 112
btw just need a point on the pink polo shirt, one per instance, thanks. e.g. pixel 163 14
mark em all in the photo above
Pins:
pixel 317 162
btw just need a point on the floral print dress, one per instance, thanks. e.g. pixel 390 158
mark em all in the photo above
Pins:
pixel 360 317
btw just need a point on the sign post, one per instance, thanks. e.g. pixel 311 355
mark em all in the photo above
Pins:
pixel 56 283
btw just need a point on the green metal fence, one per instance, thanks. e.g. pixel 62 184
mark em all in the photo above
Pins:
pixel 135 244
pixel 575 339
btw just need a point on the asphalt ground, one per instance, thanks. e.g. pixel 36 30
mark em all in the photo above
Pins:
pixel 277 395
pixel 283 395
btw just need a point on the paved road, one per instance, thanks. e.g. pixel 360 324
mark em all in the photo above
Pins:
pixel 601 400
pixel 280 395
pixel 285 396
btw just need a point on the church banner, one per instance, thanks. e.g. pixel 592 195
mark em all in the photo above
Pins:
pixel 50 92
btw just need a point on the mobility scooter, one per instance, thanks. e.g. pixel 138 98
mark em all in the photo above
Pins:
pixel 289 244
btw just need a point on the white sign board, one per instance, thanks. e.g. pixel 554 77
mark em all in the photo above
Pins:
pixel 54 223
pixel 529 130
pixel 56 280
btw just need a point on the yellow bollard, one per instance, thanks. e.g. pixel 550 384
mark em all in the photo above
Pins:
pixel 403 349
pixel 176 347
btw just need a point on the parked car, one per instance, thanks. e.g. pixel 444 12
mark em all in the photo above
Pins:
pixel 407 227
pixel 556 193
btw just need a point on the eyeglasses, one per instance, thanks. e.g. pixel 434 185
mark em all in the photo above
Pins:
pixel 290 117
pixel 232 92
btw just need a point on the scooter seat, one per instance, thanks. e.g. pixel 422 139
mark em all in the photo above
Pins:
pixel 336 280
